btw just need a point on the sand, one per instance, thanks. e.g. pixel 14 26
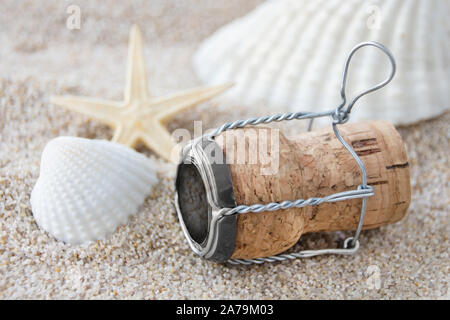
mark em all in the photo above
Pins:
pixel 149 258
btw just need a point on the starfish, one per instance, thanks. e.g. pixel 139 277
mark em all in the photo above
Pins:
pixel 140 118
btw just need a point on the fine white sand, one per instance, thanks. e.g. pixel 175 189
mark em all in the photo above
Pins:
pixel 149 258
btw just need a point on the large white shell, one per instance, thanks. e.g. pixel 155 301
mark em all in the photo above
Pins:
pixel 289 55
pixel 87 188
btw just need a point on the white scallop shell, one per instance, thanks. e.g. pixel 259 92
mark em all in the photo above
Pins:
pixel 87 188
pixel 289 55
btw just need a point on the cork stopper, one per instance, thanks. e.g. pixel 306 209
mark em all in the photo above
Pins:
pixel 313 164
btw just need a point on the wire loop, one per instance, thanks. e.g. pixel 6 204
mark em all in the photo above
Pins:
pixel 375 87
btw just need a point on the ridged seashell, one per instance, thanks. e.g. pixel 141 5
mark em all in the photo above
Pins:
pixel 87 188
pixel 289 55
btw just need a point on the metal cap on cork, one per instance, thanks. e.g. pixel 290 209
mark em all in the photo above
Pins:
pixel 204 188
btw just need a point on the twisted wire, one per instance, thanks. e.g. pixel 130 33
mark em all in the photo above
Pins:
pixel 301 254
pixel 267 119
pixel 361 192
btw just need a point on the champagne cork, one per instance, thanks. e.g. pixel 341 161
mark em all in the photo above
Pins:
pixel 316 164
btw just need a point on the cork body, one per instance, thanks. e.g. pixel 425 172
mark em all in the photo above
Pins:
pixel 314 164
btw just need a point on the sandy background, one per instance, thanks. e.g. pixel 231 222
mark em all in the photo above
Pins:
pixel 149 258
